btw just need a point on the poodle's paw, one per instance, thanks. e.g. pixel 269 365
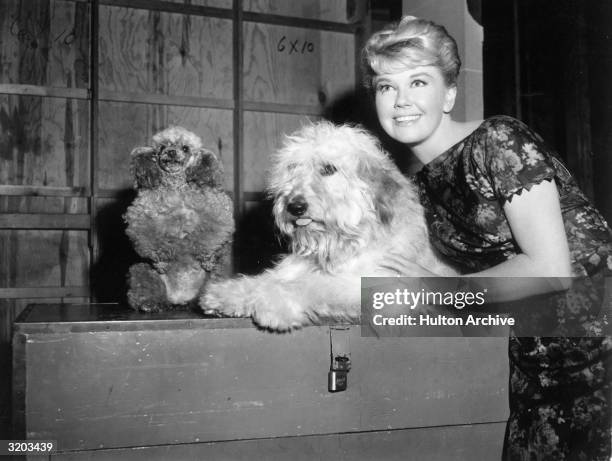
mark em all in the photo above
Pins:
pixel 147 292
pixel 228 298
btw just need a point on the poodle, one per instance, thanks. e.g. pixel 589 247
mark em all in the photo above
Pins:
pixel 181 221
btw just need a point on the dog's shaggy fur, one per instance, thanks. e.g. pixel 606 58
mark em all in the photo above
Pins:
pixel 349 213
pixel 181 221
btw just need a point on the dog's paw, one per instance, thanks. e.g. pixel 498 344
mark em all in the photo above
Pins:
pixel 277 309
pixel 280 320
pixel 229 298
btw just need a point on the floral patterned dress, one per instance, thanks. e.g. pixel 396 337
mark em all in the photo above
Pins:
pixel 560 386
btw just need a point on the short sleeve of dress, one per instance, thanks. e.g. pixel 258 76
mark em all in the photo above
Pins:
pixel 514 158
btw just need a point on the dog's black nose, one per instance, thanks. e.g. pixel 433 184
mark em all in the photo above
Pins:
pixel 297 206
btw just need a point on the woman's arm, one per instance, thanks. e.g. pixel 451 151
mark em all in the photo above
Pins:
pixel 537 226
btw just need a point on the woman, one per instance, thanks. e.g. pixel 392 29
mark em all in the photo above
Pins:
pixel 500 204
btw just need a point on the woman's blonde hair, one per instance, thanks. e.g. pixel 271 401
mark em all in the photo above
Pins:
pixel 409 43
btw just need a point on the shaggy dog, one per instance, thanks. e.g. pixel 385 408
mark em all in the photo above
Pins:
pixel 181 221
pixel 349 213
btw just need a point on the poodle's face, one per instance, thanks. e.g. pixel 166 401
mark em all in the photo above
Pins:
pixel 175 158
pixel 172 158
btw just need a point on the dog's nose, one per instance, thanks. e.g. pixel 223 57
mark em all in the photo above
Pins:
pixel 297 206
pixel 171 153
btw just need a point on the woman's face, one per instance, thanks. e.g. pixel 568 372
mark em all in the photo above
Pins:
pixel 411 103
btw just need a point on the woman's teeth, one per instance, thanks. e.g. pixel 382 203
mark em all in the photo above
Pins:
pixel 407 118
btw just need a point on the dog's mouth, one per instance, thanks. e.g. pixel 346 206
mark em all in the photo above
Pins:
pixel 303 221
pixel 171 160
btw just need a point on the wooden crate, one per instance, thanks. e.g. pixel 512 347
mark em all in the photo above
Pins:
pixel 103 381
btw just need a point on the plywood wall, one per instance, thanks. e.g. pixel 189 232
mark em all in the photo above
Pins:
pixel 44 147
pixel 83 83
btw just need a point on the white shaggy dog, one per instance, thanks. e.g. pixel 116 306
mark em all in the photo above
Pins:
pixel 349 213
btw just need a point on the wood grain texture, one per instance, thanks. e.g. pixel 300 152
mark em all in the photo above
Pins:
pixel 137 388
pixel 274 71
pixel 263 135
pixel 44 141
pixel 153 52
pixel 337 66
pixel 289 65
pixel 450 443
pixel 44 258
pixel 44 43
pixel 327 10
pixel 125 126
pixel 213 3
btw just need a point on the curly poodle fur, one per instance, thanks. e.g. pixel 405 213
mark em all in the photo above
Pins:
pixel 181 221
pixel 349 213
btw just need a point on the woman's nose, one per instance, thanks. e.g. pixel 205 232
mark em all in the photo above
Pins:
pixel 402 98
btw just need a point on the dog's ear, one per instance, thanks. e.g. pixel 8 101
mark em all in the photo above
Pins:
pixel 386 188
pixel 145 171
pixel 205 170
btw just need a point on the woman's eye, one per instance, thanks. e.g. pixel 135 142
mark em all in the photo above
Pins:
pixel 418 83
pixel 383 87
pixel 328 169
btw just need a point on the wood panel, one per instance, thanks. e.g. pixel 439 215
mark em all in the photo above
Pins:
pixel 263 135
pixel 213 3
pixel 44 141
pixel 44 258
pixel 124 383
pixel 288 65
pixel 124 126
pixel 144 51
pixel 449 443
pixel 44 43
pixel 337 67
pixel 341 11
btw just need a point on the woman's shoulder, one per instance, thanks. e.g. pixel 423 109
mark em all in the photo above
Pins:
pixel 503 127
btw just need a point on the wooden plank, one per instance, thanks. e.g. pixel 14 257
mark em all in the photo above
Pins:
pixel 300 22
pixel 44 292
pixel 44 191
pixel 264 134
pixel 152 52
pixel 253 14
pixel 238 115
pixel 446 443
pixel 189 101
pixel 176 7
pixel 46 142
pixel 164 386
pixel 41 44
pixel 34 90
pixel 94 118
pixel 124 126
pixel 337 67
pixel 44 221
pixel 287 65
pixel 299 109
pixel 330 10
pixel 38 257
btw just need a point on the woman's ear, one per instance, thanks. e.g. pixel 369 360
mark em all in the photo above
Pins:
pixel 449 98
pixel 145 171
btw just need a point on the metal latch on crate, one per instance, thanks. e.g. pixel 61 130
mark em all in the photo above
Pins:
pixel 340 358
